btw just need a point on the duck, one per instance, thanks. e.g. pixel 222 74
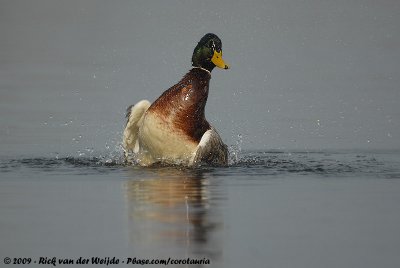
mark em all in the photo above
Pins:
pixel 173 129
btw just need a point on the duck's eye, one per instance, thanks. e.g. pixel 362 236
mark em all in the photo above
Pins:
pixel 211 44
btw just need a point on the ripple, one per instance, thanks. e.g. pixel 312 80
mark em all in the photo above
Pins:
pixel 247 163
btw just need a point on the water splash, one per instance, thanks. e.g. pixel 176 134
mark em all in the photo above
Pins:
pixel 235 150
pixel 246 163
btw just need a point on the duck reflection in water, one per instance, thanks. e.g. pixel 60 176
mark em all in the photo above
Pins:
pixel 171 211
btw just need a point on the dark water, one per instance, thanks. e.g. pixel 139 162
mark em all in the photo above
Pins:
pixel 267 209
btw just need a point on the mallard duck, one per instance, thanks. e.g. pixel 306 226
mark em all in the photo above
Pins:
pixel 174 130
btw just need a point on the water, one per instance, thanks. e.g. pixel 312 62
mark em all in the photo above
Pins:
pixel 267 209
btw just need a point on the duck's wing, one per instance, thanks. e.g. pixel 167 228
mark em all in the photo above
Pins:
pixel 211 150
pixel 134 114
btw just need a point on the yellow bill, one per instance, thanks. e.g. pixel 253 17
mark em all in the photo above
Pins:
pixel 218 61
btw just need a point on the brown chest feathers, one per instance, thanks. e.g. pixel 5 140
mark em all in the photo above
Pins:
pixel 182 106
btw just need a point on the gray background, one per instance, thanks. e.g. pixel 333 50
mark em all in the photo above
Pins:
pixel 305 74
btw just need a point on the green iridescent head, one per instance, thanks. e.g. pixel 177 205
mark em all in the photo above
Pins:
pixel 208 53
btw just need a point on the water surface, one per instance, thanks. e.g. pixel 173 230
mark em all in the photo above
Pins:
pixel 267 209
